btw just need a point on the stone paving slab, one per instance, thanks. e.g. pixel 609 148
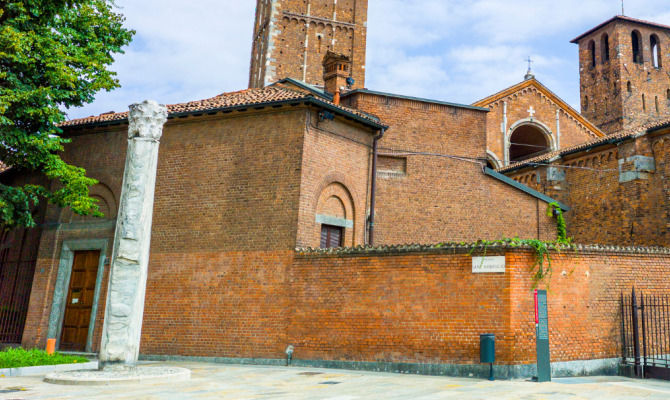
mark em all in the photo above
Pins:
pixel 217 381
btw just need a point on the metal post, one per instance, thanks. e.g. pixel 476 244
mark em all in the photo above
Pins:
pixel 636 335
pixel 644 334
pixel 623 330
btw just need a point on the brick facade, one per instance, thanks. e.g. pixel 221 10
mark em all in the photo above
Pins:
pixel 428 307
pixel 221 188
pixel 291 38
pixel 618 192
pixel 530 104
pixel 432 198
pixel 612 89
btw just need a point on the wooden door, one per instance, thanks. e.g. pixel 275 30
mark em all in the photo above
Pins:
pixel 79 300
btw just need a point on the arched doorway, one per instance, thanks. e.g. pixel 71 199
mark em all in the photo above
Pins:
pixel 527 141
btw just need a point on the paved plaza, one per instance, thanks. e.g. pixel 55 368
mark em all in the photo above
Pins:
pixel 217 381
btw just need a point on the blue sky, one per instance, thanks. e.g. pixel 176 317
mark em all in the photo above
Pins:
pixel 452 50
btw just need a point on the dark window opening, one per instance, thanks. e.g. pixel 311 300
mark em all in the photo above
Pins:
pixel 592 53
pixel 657 107
pixel 586 103
pixel 655 52
pixel 667 93
pixel 331 236
pixel 630 87
pixel 636 40
pixel 527 141
pixel 644 103
pixel 605 48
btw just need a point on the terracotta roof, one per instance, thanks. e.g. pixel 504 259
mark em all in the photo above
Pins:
pixel 544 90
pixel 620 18
pixel 248 97
pixel 615 137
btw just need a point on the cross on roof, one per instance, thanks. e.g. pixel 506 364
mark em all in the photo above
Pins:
pixel 530 62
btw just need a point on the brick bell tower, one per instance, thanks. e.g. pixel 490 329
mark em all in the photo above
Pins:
pixel 292 37
pixel 624 66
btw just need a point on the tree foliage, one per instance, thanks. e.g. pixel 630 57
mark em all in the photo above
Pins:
pixel 54 54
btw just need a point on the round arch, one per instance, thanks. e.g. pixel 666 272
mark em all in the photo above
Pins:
pixel 335 208
pixel 529 138
pixel 492 161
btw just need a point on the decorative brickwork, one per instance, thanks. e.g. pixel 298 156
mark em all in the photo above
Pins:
pixel 622 85
pixel 618 190
pixel 554 123
pixel 291 38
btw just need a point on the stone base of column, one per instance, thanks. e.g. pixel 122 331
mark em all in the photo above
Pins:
pixel 117 375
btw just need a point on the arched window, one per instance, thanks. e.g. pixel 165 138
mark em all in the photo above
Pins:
pixel 656 101
pixel 636 41
pixel 656 52
pixel 629 86
pixel 605 47
pixel 667 93
pixel 528 141
pixel 644 103
pixel 592 53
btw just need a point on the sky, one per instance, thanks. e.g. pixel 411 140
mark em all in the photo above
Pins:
pixel 452 50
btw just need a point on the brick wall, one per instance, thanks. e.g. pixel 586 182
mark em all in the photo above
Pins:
pixel 428 307
pixel 442 199
pixel 604 208
pixel 546 108
pixel 292 37
pixel 610 104
pixel 226 189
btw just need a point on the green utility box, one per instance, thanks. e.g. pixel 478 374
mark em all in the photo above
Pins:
pixel 487 346
pixel 487 351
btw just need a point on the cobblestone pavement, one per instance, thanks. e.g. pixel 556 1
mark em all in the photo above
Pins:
pixel 217 381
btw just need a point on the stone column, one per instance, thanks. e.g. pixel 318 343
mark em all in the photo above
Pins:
pixel 130 257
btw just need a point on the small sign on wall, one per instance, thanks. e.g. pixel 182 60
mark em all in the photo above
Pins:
pixel 488 265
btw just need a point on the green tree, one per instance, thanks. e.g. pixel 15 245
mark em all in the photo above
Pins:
pixel 54 54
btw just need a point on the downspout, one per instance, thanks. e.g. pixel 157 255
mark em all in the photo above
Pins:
pixel 373 187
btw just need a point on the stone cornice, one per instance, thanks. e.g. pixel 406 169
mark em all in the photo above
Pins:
pixel 466 248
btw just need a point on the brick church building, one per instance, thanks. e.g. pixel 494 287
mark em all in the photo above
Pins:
pixel 309 158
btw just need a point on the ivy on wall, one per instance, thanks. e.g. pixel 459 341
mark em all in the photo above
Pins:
pixel 541 269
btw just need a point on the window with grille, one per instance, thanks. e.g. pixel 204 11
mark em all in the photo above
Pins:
pixel 331 236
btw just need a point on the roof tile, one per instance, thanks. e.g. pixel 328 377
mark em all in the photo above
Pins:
pixel 245 97
pixel 621 135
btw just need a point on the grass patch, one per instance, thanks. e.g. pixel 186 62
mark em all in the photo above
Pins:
pixel 16 358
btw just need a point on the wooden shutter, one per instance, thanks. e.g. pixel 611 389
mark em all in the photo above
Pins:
pixel 331 236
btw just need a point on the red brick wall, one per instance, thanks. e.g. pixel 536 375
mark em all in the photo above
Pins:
pixel 611 106
pixel 604 209
pixel 227 189
pixel 441 199
pixel 420 307
pixel 572 131
pixel 334 152
pixel 284 38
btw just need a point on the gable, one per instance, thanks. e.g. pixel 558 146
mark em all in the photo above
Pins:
pixel 534 86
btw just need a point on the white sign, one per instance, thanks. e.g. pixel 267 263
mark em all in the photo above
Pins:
pixel 488 265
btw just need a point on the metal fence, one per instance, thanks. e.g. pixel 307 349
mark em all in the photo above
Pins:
pixel 16 280
pixel 645 334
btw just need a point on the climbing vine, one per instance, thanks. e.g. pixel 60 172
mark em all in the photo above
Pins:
pixel 541 268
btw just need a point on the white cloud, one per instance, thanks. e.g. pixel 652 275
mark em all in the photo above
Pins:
pixel 454 50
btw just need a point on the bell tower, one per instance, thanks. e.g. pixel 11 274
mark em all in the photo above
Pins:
pixel 624 68
pixel 292 37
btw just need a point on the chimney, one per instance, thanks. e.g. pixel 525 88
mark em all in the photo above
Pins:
pixel 336 71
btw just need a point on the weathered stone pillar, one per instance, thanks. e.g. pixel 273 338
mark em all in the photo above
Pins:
pixel 130 257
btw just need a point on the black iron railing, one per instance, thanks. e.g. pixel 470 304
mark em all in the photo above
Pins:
pixel 645 334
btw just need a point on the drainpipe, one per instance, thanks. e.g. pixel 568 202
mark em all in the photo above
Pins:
pixel 373 186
